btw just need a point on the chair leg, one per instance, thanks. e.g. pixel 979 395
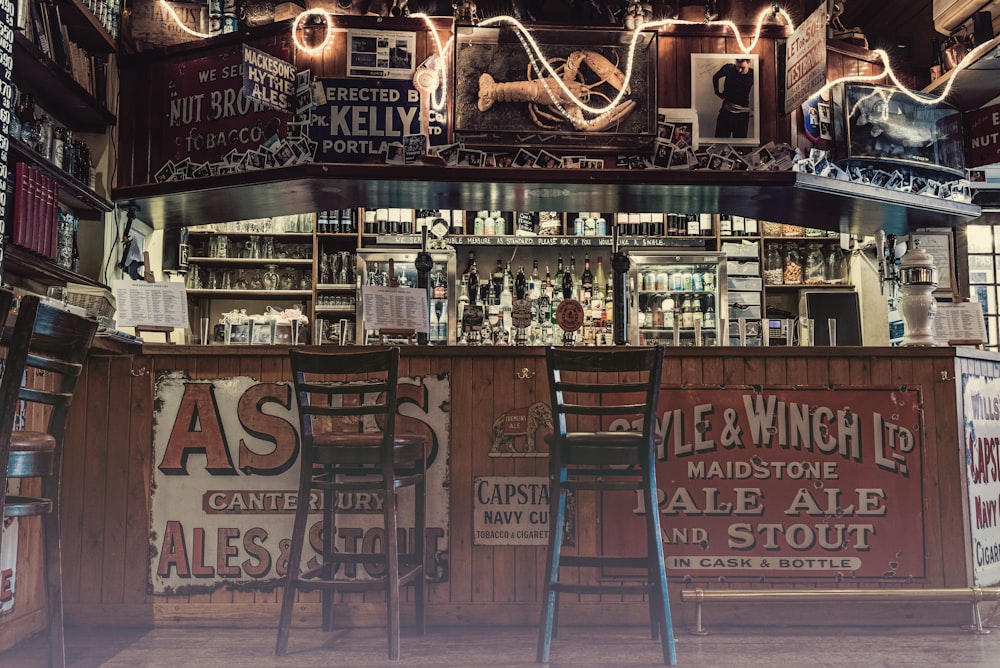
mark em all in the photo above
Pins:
pixel 53 576
pixel 419 524
pixel 329 528
pixel 392 567
pixel 662 594
pixel 294 563
pixel 550 598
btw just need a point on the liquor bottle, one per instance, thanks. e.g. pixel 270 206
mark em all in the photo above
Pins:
pixel 557 292
pixel 936 68
pixel 725 225
pixel 687 313
pixel 545 302
pixel 693 225
pixel 708 320
pixel 751 228
pixel 569 280
pixel 463 301
pixel 470 267
pixel 600 284
pixel 497 276
pixel 586 283
pixel 506 302
pixel 520 284
pixel 705 225
pixel 609 305
pixel 534 283
pixel 739 226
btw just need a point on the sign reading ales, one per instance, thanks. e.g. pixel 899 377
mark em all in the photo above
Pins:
pixel 225 483
pixel 767 482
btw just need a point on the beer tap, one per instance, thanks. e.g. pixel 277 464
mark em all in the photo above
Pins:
pixel 620 265
pixel 424 264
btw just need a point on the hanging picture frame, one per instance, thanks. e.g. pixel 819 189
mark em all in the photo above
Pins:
pixel 726 97
pixel 497 77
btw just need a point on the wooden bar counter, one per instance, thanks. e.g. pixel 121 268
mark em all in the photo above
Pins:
pixel 917 525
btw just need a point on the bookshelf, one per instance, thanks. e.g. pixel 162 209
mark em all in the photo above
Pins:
pixel 61 55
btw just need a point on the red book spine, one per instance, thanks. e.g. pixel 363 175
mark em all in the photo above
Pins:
pixel 53 220
pixel 31 230
pixel 20 204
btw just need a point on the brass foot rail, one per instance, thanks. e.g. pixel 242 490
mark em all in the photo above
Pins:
pixel 971 595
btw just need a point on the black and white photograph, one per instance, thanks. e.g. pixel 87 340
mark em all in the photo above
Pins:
pixel 725 92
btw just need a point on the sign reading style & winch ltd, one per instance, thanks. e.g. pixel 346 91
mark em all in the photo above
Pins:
pixel 818 484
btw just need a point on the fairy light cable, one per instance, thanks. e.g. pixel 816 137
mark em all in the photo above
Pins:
pixel 180 24
pixel 327 33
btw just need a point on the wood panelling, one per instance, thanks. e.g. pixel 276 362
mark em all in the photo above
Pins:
pixel 109 468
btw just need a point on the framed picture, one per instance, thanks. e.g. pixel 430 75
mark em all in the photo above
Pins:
pixel 939 246
pixel 262 332
pixel 238 334
pixel 497 83
pixel 725 93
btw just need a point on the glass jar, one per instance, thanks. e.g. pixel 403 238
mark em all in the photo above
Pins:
pixel 836 266
pixel 774 266
pixel 792 270
pixel 815 268
pixel 270 277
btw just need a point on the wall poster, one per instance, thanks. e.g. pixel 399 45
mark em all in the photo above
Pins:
pixel 819 484
pixel 225 479
pixel 981 451
pixel 725 90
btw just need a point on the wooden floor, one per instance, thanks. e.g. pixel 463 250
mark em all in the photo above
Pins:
pixel 506 647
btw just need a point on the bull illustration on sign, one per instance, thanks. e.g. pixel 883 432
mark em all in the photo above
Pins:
pixel 520 423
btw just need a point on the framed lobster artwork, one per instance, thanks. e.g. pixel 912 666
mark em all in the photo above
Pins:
pixel 566 87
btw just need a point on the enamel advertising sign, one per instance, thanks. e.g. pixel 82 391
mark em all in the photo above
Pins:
pixel 225 482
pixel 778 482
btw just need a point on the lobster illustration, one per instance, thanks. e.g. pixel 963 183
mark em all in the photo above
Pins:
pixel 549 105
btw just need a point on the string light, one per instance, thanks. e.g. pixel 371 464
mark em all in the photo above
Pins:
pixel 536 57
pixel 327 34
pixel 180 24
pixel 440 96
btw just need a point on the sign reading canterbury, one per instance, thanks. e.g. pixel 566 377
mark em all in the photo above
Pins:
pixel 781 482
pixel 225 479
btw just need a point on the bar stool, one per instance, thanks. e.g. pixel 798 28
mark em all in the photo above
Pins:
pixel 54 343
pixel 592 393
pixel 347 411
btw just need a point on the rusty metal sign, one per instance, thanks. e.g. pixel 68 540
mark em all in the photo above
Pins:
pixel 511 510
pixel 225 479
pixel 981 452
pixel 821 484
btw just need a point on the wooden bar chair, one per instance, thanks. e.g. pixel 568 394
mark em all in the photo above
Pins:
pixel 54 343
pixel 347 412
pixel 593 393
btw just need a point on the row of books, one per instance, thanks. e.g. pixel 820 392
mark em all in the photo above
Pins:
pixel 41 21
pixel 36 211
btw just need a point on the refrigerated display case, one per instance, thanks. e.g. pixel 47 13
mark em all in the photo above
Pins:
pixel 373 268
pixel 677 298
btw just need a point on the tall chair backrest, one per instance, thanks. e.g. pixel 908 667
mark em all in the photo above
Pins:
pixel 51 340
pixel 347 394
pixel 604 390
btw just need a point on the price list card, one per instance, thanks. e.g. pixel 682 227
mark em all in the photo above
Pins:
pixel 7 20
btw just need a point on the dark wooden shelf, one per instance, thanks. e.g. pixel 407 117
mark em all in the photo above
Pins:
pixel 84 28
pixel 974 85
pixel 22 262
pixel 84 201
pixel 780 196
pixel 55 91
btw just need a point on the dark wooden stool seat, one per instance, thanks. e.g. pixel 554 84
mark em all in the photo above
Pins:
pixel 596 395
pixel 52 344
pixel 347 414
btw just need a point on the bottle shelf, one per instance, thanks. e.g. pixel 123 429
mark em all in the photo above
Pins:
pixel 207 234
pixel 22 262
pixel 264 294
pixel 251 262
pixel 335 287
pixel 77 194
pixel 808 286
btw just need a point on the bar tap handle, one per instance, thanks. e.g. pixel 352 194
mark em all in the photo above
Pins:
pixel 424 264
pixel 620 264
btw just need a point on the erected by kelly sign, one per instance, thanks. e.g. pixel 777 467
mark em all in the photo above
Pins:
pixel 360 118
pixel 268 79
pixel 819 484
